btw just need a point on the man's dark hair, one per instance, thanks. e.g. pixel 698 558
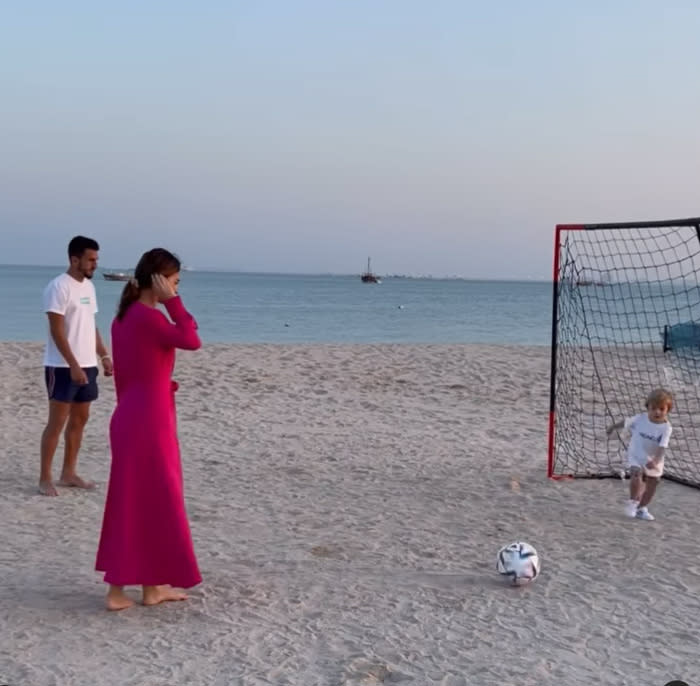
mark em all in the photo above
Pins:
pixel 79 244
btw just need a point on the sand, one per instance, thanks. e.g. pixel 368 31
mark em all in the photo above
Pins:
pixel 347 504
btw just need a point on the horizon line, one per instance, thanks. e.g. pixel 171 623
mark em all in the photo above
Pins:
pixel 222 270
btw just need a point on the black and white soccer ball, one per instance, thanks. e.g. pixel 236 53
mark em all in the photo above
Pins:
pixel 518 561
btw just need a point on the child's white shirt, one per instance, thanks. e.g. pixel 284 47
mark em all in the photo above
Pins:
pixel 645 437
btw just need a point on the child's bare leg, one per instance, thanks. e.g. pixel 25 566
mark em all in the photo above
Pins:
pixel 637 485
pixel 636 490
pixel 651 484
pixel 117 599
pixel 153 595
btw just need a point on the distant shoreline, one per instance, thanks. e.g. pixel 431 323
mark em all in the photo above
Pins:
pixel 198 270
pixel 220 345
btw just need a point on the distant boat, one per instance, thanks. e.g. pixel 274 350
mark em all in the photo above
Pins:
pixel 590 282
pixel 117 276
pixel 368 276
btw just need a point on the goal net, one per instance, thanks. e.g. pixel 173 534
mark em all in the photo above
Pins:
pixel 625 320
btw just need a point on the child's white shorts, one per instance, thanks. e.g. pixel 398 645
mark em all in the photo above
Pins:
pixel 657 472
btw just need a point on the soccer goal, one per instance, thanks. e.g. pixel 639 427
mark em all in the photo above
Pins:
pixel 625 320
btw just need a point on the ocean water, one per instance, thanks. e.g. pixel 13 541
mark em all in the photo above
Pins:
pixel 282 308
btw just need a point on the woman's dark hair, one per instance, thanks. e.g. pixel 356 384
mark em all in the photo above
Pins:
pixel 156 261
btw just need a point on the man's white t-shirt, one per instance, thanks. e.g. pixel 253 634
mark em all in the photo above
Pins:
pixel 645 437
pixel 77 302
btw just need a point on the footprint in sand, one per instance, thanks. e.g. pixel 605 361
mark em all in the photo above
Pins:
pixel 368 673
pixel 327 551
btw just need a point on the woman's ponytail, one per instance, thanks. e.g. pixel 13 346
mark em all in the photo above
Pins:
pixel 156 261
pixel 130 295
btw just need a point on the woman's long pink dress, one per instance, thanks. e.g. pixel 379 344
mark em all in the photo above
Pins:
pixel 145 536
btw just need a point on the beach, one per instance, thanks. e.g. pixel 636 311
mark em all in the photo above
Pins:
pixel 347 503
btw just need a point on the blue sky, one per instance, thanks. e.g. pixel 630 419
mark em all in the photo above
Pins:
pixel 441 137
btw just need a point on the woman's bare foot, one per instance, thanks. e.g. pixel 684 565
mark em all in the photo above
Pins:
pixel 153 595
pixel 74 481
pixel 116 599
pixel 47 488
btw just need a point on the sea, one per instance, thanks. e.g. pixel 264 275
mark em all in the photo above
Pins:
pixel 234 307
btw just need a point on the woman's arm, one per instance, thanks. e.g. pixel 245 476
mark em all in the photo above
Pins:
pixel 183 332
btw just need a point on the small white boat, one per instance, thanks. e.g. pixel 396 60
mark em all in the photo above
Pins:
pixel 117 276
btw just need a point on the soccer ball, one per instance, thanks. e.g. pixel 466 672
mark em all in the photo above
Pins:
pixel 519 561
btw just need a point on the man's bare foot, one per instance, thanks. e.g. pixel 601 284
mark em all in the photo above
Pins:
pixel 117 600
pixel 47 488
pixel 74 481
pixel 153 595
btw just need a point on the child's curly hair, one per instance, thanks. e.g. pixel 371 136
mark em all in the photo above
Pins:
pixel 660 397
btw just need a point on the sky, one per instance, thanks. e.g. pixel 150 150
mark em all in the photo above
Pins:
pixel 441 137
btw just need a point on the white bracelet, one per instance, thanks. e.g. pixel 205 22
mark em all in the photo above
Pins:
pixel 106 357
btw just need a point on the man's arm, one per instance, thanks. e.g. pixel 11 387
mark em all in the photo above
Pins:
pixel 56 299
pixel 58 333
pixel 102 351
pixel 103 354
pixel 57 329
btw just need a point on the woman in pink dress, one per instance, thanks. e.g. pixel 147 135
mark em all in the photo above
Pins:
pixel 145 536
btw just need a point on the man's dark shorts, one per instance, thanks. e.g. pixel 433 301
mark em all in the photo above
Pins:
pixel 61 387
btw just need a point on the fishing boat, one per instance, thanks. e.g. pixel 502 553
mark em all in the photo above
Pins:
pixel 368 276
pixel 116 276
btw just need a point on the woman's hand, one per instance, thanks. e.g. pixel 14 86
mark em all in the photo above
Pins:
pixel 162 288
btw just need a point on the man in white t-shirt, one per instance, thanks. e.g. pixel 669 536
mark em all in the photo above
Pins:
pixel 70 362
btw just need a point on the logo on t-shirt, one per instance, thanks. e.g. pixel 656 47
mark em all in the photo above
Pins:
pixel 85 300
pixel 649 437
